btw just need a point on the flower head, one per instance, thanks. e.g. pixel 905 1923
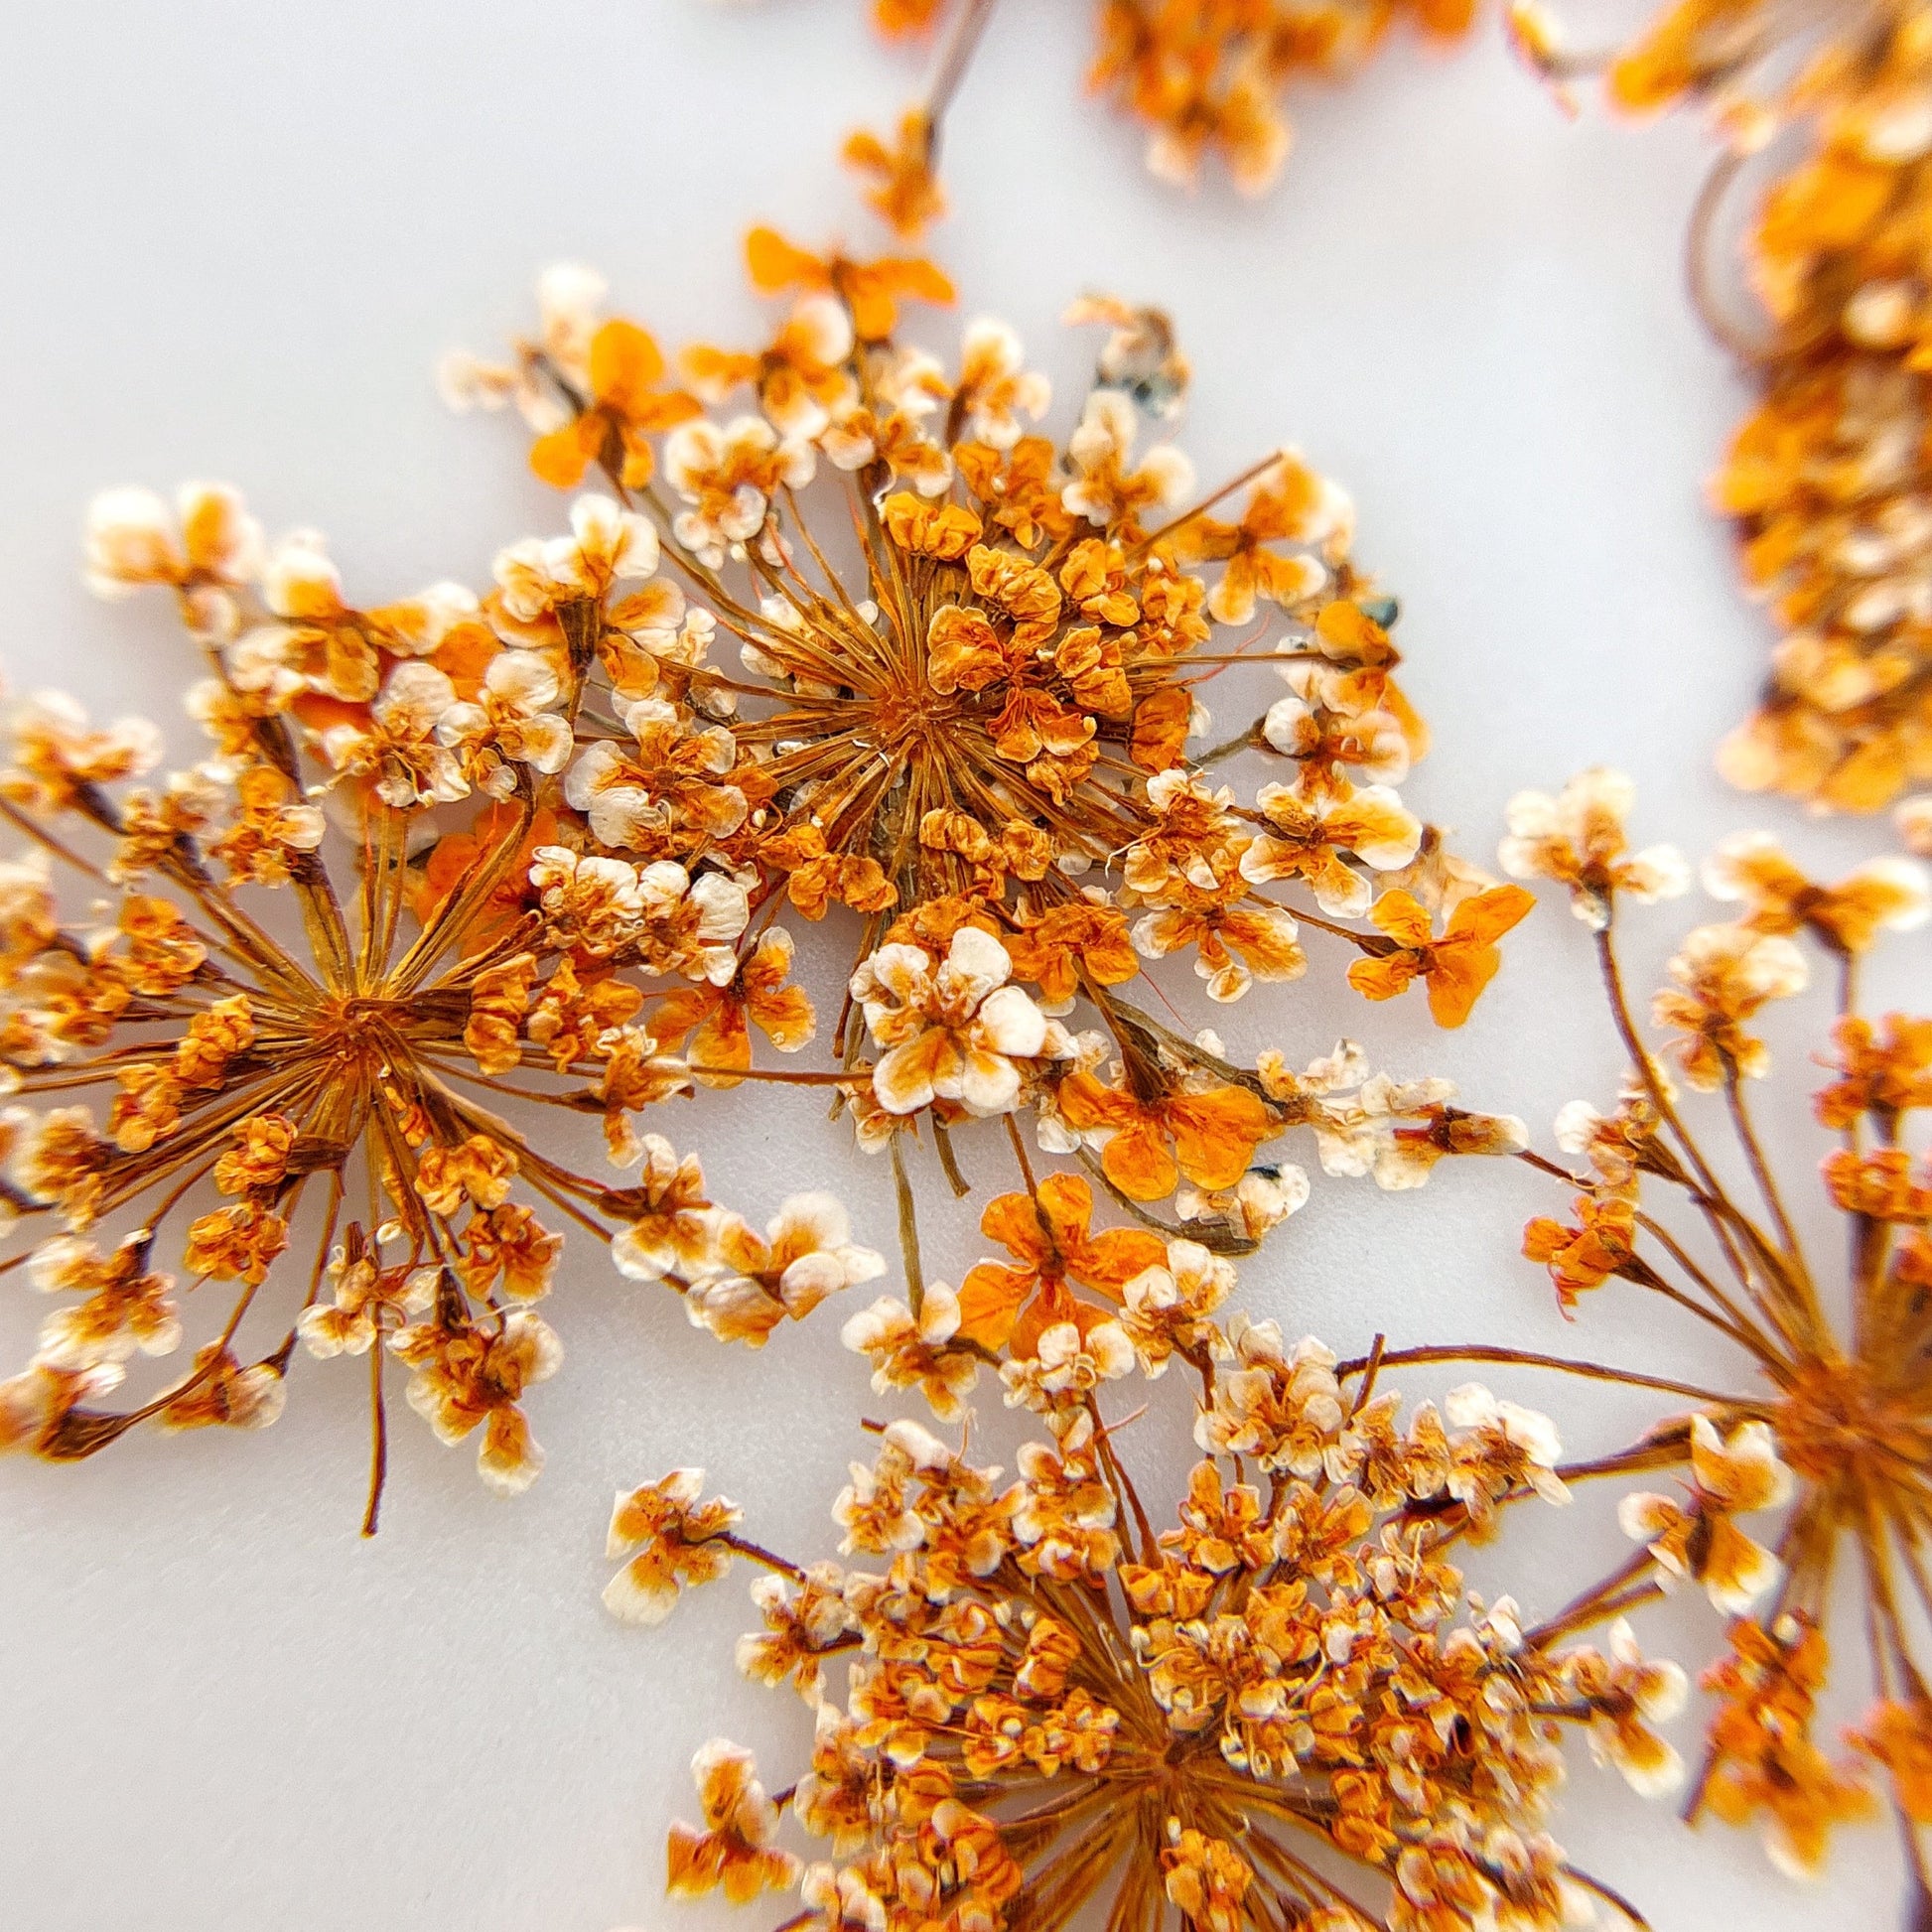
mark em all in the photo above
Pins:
pixel 1811 1457
pixel 1825 481
pixel 1577 839
pixel 1036 1679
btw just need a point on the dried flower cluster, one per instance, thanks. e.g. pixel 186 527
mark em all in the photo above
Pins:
pixel 1827 481
pixel 457 859
pixel 1833 1426
pixel 1207 78
pixel 970 665
pixel 298 1056
pixel 1279 1712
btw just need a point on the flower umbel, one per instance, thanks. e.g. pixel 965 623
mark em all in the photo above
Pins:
pixel 1051 1705
pixel 459 867
pixel 1822 1462
pixel 964 726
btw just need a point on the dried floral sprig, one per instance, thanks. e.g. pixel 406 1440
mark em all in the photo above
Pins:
pixel 1833 1427
pixel 971 663
pixel 316 1098
pixel 1280 1711
pixel 1826 481
pixel 1206 77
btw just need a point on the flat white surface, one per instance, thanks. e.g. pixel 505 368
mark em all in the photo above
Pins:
pixel 235 239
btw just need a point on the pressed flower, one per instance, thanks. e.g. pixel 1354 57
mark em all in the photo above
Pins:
pixel 624 402
pixel 1884 895
pixel 733 1853
pixel 805 1254
pixel 1726 975
pixel 872 289
pixel 310 1109
pixel 1455 966
pixel 1764 1766
pixel 1577 839
pixel 975 747
pixel 1048 1234
pixel 1279 1709
pixel 546 846
pixel 672 1539
pixel 952 1028
pixel 1697 1537
pixel 904 191
pixel 922 1350
pixel 1819 1467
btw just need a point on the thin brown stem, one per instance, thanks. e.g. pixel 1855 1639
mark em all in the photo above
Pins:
pixel 1524 1358
pixel 909 1232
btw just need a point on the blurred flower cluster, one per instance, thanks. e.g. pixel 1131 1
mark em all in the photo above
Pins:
pixel 1207 78
pixel 1828 112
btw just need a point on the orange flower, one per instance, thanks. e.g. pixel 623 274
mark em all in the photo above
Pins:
pixel 673 1541
pixel 1579 840
pixel 871 291
pixel 1299 1647
pixel 899 18
pixel 1076 938
pixel 1763 1759
pixel 1733 1476
pixel 1826 481
pixel 1151 1142
pixel 1884 893
pixel 1310 837
pixel 456 857
pixel 1208 77
pixel 1588 1255
pixel 800 375
pixel 734 1852
pixel 1048 1235
pixel 625 406
pixel 1236 937
pixel 906 191
pixel 719 1018
pixel 1456 967
pixel 816 878
pixel 219 1393
pixel 958 702
pixel 469 1373
pixel 1290 505
pixel 1726 975
pixel 1882 1077
pixel 1206 1880
pixel 1881 1185
pixel 1900 1737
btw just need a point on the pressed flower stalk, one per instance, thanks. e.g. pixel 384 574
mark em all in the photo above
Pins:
pixel 269 1061
pixel 1279 1711
pixel 970 676
pixel 1826 481
pixel 1819 1467
pixel 1206 77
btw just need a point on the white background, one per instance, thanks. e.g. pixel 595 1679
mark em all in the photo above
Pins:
pixel 235 238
